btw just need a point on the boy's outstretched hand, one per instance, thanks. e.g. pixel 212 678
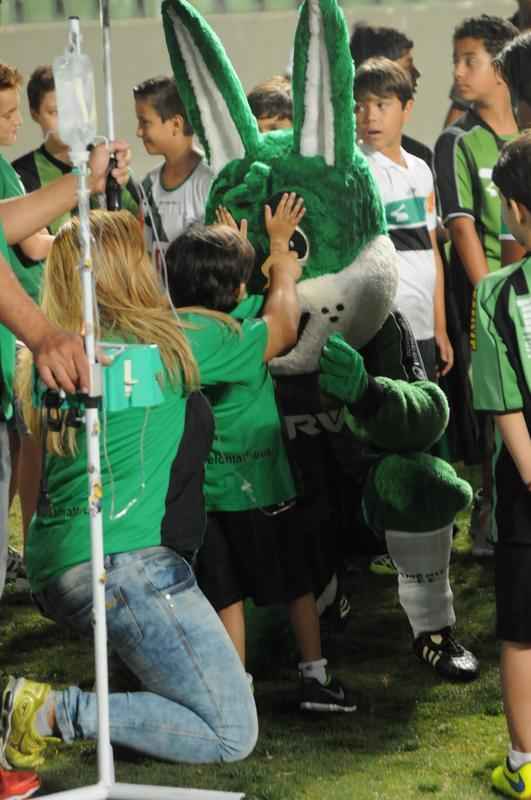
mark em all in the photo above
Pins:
pixel 224 217
pixel 281 225
pixel 342 371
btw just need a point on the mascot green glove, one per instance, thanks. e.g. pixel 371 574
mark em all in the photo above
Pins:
pixel 383 419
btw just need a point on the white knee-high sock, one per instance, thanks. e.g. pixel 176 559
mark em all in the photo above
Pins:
pixel 422 560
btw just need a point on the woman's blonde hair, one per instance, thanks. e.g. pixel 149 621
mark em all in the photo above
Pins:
pixel 130 303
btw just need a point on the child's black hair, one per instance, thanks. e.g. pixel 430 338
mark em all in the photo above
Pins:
pixel 272 99
pixel 512 170
pixel 383 78
pixel 514 63
pixel 161 92
pixel 494 32
pixel 40 83
pixel 368 41
pixel 206 265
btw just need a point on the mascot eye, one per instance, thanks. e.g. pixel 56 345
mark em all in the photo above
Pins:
pixel 300 244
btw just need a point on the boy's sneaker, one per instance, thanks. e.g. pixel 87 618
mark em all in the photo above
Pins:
pixel 512 784
pixel 22 746
pixel 481 524
pixel 332 696
pixel 383 565
pixel 18 785
pixel 447 657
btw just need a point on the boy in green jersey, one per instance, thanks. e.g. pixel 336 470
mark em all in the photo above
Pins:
pixel 256 545
pixel 501 364
pixel 465 154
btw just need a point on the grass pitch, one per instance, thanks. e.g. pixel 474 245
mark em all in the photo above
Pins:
pixel 414 736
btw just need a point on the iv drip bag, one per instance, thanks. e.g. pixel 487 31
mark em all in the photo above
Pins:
pixel 76 102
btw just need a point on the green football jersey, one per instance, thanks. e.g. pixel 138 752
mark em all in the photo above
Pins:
pixel 27 271
pixel 501 341
pixel 465 155
pixel 501 363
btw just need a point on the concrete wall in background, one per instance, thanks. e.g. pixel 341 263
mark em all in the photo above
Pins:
pixel 259 46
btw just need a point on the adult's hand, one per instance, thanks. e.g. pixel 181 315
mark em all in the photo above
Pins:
pixel 60 358
pixel 99 164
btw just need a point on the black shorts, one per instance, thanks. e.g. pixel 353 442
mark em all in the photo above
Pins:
pixel 513 553
pixel 251 554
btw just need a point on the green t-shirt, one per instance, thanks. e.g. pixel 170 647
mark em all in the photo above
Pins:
pixel 465 155
pixel 248 467
pixel 7 350
pixel 501 341
pixel 39 168
pixel 27 271
pixel 137 448
pixel 501 361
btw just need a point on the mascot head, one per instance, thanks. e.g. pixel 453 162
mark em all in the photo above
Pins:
pixel 350 275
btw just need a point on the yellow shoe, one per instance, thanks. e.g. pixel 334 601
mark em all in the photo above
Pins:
pixel 512 784
pixel 21 699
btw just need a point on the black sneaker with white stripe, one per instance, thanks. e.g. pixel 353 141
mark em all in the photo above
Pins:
pixel 447 657
pixel 332 696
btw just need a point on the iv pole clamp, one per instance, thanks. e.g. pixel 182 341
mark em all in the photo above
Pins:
pixel 113 192
pixel 77 127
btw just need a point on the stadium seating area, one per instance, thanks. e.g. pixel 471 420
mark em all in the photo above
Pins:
pixel 37 11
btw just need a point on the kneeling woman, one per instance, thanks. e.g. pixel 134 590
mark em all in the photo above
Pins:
pixel 196 704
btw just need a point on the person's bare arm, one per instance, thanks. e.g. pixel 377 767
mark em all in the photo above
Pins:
pixel 281 309
pixel 469 249
pixel 446 353
pixel 37 246
pixel 59 356
pixel 515 434
pixel 23 216
pixel 511 252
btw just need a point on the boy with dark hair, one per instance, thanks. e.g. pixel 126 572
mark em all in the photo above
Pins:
pixel 52 159
pixel 368 41
pixel 514 63
pixel 501 366
pixel 254 544
pixel 521 19
pixel 465 155
pixel 272 104
pixel 371 42
pixel 177 190
pixel 384 101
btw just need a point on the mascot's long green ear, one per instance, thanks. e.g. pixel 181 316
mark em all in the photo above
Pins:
pixel 323 119
pixel 212 94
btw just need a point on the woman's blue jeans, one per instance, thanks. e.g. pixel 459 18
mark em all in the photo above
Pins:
pixel 196 704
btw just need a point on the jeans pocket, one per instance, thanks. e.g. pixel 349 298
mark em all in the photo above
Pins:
pixel 169 573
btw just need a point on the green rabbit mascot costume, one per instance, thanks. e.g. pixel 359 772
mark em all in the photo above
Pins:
pixel 359 416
